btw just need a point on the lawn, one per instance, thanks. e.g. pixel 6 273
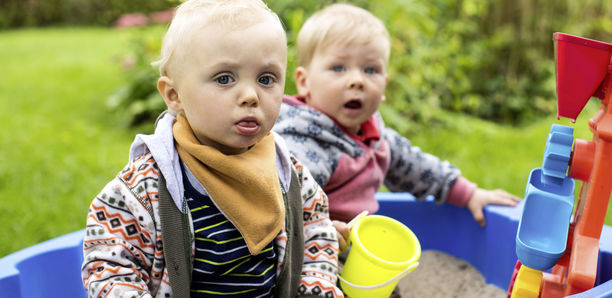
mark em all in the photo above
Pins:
pixel 60 144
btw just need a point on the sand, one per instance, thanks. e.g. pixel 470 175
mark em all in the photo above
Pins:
pixel 443 275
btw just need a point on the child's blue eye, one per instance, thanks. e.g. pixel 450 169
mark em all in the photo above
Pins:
pixel 224 79
pixel 338 68
pixel 370 70
pixel 266 80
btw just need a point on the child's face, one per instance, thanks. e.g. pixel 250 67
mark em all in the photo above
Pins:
pixel 230 82
pixel 346 82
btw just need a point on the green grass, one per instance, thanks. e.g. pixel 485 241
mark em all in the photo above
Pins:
pixel 496 156
pixel 60 145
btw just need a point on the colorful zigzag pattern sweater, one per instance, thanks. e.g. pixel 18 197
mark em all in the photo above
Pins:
pixel 123 249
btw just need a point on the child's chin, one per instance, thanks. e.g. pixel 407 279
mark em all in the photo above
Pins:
pixel 248 144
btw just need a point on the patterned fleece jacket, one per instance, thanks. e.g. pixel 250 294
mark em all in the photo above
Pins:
pixel 123 250
pixel 352 168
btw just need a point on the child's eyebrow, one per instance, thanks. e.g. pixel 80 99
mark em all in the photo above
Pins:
pixel 371 58
pixel 225 64
pixel 339 55
pixel 232 64
pixel 273 66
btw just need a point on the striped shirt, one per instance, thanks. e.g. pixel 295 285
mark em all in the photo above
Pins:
pixel 223 266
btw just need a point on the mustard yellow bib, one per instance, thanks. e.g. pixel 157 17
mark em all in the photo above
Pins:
pixel 245 187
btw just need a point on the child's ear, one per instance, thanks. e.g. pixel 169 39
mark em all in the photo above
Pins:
pixel 386 81
pixel 168 91
pixel 301 82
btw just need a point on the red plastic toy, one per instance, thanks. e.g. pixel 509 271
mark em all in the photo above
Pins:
pixel 583 70
pixel 590 74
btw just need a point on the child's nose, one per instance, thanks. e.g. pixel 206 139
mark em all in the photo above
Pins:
pixel 248 97
pixel 356 80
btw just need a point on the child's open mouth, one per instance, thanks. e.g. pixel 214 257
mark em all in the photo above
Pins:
pixel 353 104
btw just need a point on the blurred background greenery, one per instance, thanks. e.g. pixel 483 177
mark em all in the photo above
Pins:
pixel 471 81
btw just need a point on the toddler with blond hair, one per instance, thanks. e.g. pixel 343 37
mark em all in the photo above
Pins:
pixel 213 204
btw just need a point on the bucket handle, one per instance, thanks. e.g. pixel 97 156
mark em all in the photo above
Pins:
pixel 392 280
pixel 350 224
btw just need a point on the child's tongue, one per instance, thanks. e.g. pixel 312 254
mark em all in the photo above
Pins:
pixel 247 127
pixel 246 123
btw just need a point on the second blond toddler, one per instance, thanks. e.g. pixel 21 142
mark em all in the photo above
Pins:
pixel 333 125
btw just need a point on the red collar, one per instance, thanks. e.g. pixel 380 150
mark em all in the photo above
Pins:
pixel 367 132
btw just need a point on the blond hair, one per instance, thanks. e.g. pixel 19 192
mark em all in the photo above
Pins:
pixel 193 15
pixel 340 24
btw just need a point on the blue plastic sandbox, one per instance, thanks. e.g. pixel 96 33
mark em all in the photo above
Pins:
pixel 52 268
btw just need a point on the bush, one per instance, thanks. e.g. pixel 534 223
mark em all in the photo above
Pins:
pixel 490 59
pixel 138 100
pixel 19 13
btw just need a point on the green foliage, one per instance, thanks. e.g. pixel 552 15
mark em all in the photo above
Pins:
pixel 20 13
pixel 60 146
pixel 138 101
pixel 489 59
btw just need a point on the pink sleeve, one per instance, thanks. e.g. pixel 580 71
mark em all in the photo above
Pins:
pixel 460 193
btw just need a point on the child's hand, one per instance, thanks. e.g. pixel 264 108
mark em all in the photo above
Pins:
pixel 482 197
pixel 343 234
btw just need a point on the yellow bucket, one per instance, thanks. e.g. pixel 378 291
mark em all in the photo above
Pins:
pixel 383 251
